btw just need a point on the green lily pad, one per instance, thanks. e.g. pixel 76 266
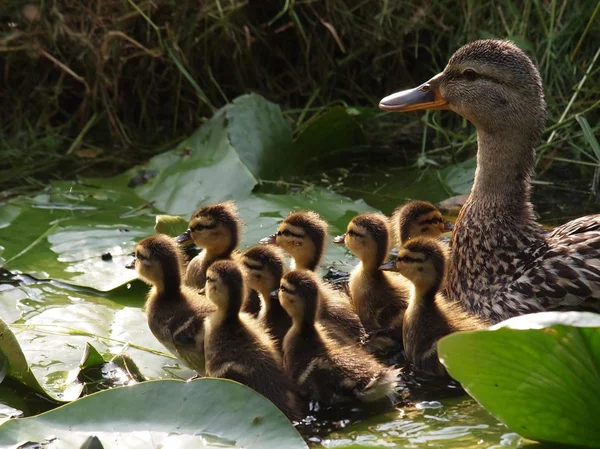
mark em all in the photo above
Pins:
pixel 51 328
pixel 538 373
pixel 261 136
pixel 172 225
pixel 209 413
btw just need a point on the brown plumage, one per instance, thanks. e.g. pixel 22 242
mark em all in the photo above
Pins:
pixel 217 229
pixel 378 297
pixel 324 369
pixel 503 263
pixel 237 347
pixel 429 315
pixel 175 313
pixel 264 267
pixel 302 235
pixel 418 219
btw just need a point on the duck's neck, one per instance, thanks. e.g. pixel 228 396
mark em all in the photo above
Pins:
pixel 268 302
pixel 504 165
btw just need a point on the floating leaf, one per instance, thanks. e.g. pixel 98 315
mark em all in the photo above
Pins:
pixel 261 136
pixel 537 373
pixel 172 225
pixel 203 413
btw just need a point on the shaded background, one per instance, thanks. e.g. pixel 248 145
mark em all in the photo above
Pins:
pixel 98 86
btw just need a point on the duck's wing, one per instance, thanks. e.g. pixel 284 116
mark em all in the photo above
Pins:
pixel 564 276
pixel 580 225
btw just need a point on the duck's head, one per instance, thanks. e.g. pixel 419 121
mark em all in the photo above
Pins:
pixel 302 236
pixel 216 227
pixel 422 261
pixel 264 266
pixel 492 83
pixel 299 295
pixel 158 261
pixel 225 285
pixel 367 237
pixel 419 219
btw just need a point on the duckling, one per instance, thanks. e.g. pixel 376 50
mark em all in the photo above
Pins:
pixel 302 235
pixel 324 369
pixel 237 346
pixel 429 316
pixel 418 219
pixel 176 314
pixel 379 298
pixel 503 263
pixel 265 266
pixel 216 228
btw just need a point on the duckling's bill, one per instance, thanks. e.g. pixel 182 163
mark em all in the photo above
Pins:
pixel 340 239
pixel 270 240
pixel 448 226
pixel 389 266
pixel 131 264
pixel 426 96
pixel 185 238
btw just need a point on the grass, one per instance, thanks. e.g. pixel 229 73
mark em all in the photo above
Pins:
pixel 101 85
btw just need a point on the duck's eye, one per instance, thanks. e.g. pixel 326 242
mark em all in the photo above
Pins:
pixel 140 257
pixel 352 234
pixel 287 233
pixel 469 74
pixel 209 279
pixel 284 289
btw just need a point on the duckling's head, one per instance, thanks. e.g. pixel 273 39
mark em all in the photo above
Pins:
pixel 216 227
pixel 419 219
pixel 492 83
pixel 422 261
pixel 299 295
pixel 302 236
pixel 367 237
pixel 158 261
pixel 264 266
pixel 225 286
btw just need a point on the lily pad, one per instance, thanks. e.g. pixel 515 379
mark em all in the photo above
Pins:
pixel 209 413
pixel 172 225
pixel 261 136
pixel 538 373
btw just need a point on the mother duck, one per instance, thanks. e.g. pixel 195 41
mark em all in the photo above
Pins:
pixel 503 263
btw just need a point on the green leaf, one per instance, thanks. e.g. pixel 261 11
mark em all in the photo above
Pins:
pixel 538 373
pixel 172 225
pixel 203 413
pixel 19 369
pixel 91 357
pixel 51 340
pixel 261 136
pixel 338 128
pixel 62 233
pixel 203 169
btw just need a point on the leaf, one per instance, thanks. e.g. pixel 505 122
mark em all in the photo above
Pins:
pixel 19 369
pixel 172 225
pixel 337 128
pixel 458 178
pixel 538 373
pixel 203 169
pixel 50 341
pixel 91 357
pixel 261 136
pixel 203 413
pixel 63 233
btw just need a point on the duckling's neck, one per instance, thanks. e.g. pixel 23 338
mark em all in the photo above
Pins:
pixel 369 265
pixel 505 160
pixel 425 292
pixel 229 312
pixel 268 302
pixel 307 261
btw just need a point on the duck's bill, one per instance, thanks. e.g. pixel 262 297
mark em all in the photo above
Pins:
pixel 270 240
pixel 131 264
pixel 426 96
pixel 388 266
pixel 448 226
pixel 274 294
pixel 340 239
pixel 185 238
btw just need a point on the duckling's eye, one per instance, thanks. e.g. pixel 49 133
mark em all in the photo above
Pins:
pixel 200 227
pixel 288 233
pixel 469 74
pixel 354 234
pixel 209 279
pixel 284 289
pixel 140 257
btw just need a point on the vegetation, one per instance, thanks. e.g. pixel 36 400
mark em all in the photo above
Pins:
pixel 98 84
